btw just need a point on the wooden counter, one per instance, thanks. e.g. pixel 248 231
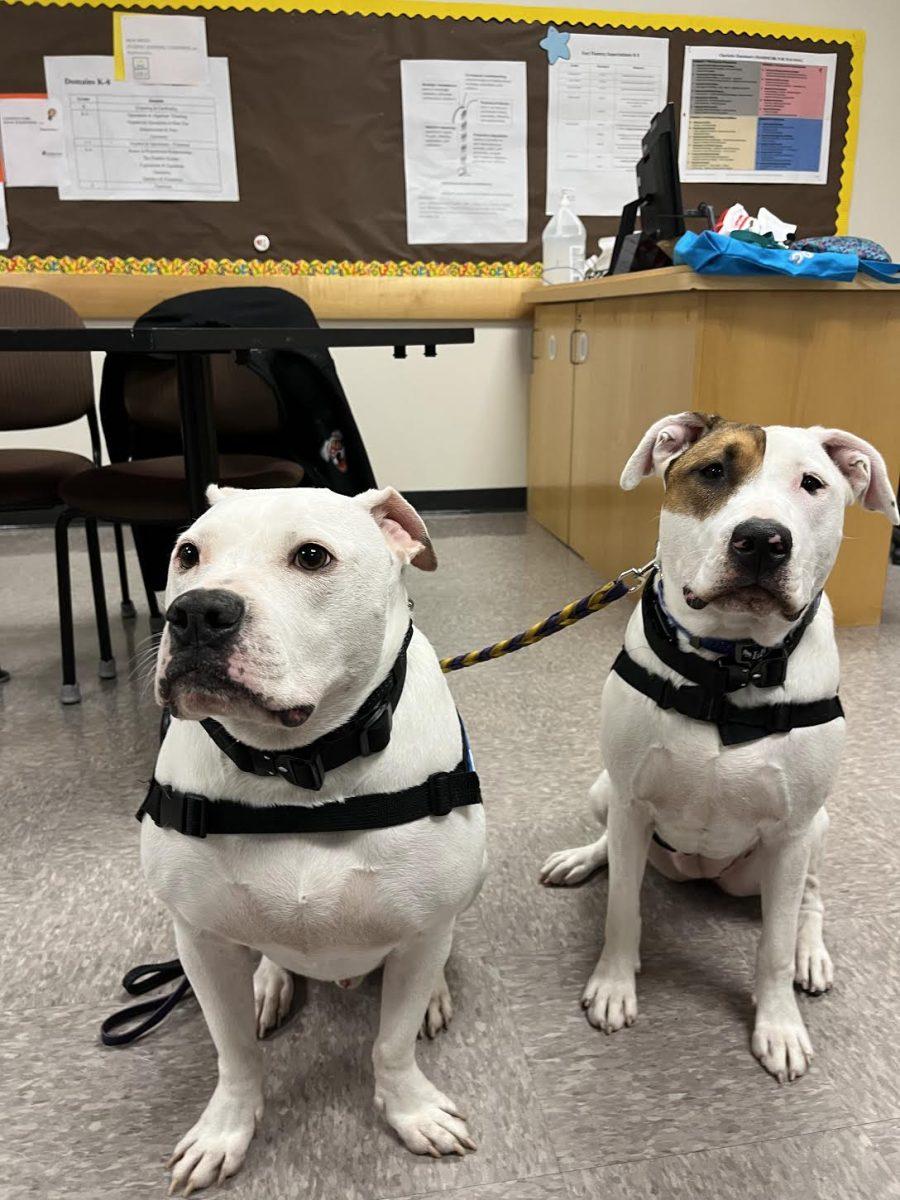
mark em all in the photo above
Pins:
pixel 331 297
pixel 611 356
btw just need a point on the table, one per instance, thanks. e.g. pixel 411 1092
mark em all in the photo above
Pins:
pixel 191 347
pixel 613 355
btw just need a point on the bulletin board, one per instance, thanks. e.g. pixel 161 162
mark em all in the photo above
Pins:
pixel 318 131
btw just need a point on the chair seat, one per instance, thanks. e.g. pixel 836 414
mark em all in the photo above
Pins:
pixel 154 489
pixel 32 478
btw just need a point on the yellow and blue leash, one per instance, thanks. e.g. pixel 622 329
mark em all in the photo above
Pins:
pixel 572 613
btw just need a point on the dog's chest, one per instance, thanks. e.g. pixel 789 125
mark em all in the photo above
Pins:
pixel 316 895
pixel 710 799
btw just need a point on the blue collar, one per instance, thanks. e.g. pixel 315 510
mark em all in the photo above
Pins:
pixel 741 649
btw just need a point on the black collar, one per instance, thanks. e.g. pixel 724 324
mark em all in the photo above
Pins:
pixel 367 732
pixel 746 662
pixel 708 700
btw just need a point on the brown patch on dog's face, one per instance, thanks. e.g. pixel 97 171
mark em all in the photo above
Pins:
pixel 702 479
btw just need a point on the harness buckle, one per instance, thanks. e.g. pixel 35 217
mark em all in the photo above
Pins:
pixel 772 672
pixel 737 675
pixel 440 801
pixel 291 767
pixel 193 815
pixel 379 722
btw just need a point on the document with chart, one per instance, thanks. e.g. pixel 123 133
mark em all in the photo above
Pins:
pixel 465 127
pixel 131 141
pixel 601 102
pixel 755 116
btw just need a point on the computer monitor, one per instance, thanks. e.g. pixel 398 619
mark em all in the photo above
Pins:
pixel 658 205
pixel 659 188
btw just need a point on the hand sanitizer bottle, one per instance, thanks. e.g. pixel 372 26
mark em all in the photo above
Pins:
pixel 565 240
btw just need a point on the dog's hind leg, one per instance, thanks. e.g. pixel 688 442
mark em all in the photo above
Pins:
pixel 813 970
pixel 565 868
pixel 273 992
pixel 221 974
pixel 439 1013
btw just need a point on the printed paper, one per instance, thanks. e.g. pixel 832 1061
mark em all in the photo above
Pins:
pixel 31 137
pixel 755 116
pixel 160 49
pixel 131 141
pixel 465 151
pixel 601 102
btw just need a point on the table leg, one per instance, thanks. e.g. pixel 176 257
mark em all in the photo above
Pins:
pixel 198 434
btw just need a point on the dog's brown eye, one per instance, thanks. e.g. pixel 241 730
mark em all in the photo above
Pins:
pixel 312 557
pixel 188 555
pixel 811 484
pixel 713 470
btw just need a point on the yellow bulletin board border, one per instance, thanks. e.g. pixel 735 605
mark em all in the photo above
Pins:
pixel 854 38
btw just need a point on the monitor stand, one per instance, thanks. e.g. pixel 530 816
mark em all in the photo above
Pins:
pixel 639 252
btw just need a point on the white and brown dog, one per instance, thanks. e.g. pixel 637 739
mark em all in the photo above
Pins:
pixel 286 611
pixel 749 531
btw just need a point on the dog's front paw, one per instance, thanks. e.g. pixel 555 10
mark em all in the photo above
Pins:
pixel 610 999
pixel 565 868
pixel 781 1043
pixel 813 969
pixel 273 992
pixel 216 1147
pixel 422 1117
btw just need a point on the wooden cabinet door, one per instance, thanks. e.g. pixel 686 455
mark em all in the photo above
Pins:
pixel 550 418
pixel 639 366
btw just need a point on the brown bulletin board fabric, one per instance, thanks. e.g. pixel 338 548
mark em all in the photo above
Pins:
pixel 318 130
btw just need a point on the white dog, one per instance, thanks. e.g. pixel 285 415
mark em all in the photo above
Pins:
pixel 731 623
pixel 286 611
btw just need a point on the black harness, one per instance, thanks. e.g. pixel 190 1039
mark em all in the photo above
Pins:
pixel 367 732
pixel 743 663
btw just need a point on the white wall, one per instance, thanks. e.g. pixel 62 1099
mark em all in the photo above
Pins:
pixel 459 421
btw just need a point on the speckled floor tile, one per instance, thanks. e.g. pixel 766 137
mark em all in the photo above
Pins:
pixel 842 1165
pixel 681 1079
pixel 547 1187
pixel 859 1035
pixel 636 1111
pixel 78 1115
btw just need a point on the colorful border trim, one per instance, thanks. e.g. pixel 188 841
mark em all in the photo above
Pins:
pixel 36 264
pixel 854 38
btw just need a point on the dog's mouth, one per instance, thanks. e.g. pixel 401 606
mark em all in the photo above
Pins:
pixel 192 688
pixel 751 598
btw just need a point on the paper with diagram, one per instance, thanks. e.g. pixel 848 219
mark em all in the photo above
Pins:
pixel 755 116
pixel 132 141
pixel 31 136
pixel 465 151
pixel 160 48
pixel 601 101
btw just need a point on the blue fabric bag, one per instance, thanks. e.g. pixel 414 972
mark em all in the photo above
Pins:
pixel 717 254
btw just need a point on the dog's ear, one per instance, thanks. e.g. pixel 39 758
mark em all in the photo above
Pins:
pixel 864 469
pixel 403 528
pixel 214 493
pixel 663 442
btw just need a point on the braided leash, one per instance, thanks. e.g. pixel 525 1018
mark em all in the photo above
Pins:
pixel 576 611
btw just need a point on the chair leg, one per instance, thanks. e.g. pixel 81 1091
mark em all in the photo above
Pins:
pixel 127 606
pixel 4 676
pixel 70 692
pixel 157 620
pixel 107 666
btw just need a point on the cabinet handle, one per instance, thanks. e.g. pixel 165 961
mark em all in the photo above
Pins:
pixel 578 346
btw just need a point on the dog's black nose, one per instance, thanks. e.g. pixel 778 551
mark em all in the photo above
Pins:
pixel 760 546
pixel 204 616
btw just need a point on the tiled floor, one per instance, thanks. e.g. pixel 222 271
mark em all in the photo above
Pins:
pixel 675 1107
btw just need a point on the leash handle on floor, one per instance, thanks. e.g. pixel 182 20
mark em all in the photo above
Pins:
pixel 136 982
pixel 628 581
